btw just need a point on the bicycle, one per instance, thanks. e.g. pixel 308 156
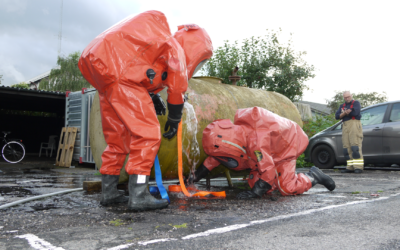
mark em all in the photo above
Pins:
pixel 13 150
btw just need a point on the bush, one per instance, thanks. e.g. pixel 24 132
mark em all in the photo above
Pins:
pixel 317 124
pixel 301 163
pixel 21 85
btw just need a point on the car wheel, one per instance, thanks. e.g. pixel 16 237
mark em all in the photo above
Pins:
pixel 323 157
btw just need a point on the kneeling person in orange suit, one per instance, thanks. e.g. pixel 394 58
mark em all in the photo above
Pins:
pixel 265 143
pixel 129 64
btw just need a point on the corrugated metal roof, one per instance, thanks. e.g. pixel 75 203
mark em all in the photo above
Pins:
pixel 12 98
pixel 5 88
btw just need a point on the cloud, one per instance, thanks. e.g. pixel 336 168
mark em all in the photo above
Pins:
pixel 11 70
pixel 29 32
pixel 13 6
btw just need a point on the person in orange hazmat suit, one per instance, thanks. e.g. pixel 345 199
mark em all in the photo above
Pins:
pixel 265 143
pixel 129 64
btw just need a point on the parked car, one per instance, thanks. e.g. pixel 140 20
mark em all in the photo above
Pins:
pixel 381 143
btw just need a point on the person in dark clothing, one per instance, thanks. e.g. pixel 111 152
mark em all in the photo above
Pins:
pixel 352 135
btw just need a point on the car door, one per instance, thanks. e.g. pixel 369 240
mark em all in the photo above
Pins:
pixel 391 136
pixel 372 124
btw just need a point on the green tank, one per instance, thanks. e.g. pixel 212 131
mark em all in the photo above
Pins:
pixel 211 100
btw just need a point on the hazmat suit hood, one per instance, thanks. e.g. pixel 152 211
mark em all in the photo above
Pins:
pixel 222 138
pixel 197 45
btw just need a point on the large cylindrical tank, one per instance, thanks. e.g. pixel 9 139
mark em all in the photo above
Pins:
pixel 211 100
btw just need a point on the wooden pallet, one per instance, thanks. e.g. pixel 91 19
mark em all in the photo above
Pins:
pixel 66 146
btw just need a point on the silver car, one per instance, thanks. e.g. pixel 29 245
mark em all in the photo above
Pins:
pixel 381 143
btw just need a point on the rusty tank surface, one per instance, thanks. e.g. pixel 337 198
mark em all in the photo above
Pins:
pixel 211 100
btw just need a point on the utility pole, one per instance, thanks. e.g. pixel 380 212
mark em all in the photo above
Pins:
pixel 60 32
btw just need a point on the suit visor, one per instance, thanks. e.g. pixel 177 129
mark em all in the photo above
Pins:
pixel 199 66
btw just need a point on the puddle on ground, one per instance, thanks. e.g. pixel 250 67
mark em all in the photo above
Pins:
pixel 14 191
pixel 41 207
pixel 178 200
pixel 33 182
pixel 47 182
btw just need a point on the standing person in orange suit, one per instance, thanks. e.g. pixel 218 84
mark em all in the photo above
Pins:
pixel 129 64
pixel 264 142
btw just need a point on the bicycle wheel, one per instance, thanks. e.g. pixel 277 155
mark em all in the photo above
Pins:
pixel 13 152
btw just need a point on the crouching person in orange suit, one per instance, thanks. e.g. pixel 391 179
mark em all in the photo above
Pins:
pixel 264 142
pixel 129 64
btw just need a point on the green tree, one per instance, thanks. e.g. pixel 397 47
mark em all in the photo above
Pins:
pixel 65 77
pixel 22 85
pixel 263 63
pixel 365 99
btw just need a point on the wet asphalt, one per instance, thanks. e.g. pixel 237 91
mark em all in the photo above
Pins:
pixel 361 213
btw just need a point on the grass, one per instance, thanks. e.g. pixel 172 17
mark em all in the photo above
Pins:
pixel 116 223
pixel 356 192
pixel 179 226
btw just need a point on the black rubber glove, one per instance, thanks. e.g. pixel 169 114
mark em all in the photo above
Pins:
pixel 159 104
pixel 259 189
pixel 173 129
pixel 174 117
pixel 199 174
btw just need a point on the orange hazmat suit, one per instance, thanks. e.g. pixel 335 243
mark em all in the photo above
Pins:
pixel 263 142
pixel 125 63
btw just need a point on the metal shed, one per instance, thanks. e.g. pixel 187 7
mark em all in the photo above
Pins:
pixel 77 114
pixel 31 115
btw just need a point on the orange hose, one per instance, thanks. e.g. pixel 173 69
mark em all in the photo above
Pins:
pixel 180 173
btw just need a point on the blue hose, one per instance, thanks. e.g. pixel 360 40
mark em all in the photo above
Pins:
pixel 160 185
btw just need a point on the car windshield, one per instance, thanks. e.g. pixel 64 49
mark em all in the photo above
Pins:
pixel 338 126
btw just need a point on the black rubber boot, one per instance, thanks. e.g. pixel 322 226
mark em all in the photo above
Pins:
pixel 259 189
pixel 199 174
pixel 318 177
pixel 109 192
pixel 140 198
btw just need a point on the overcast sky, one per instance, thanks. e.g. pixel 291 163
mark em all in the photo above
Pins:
pixel 354 45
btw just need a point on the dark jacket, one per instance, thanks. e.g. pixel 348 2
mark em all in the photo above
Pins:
pixel 354 112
